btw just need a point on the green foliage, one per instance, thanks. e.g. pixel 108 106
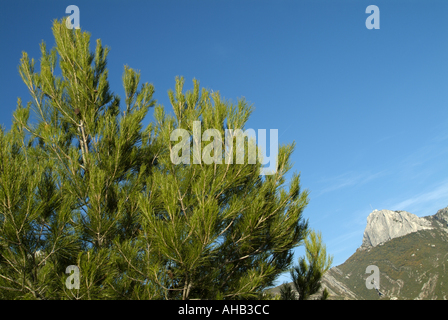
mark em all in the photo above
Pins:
pixel 411 267
pixel 88 186
pixel 325 295
pixel 287 293
pixel 307 275
pixel 316 252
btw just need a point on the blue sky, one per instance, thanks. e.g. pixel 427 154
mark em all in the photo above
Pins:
pixel 368 109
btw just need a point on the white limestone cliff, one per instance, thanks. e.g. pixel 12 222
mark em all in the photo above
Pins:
pixel 384 225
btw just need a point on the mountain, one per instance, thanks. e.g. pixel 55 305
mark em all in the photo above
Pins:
pixel 411 254
pixel 385 225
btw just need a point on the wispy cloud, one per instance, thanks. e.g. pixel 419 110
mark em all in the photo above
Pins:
pixel 437 198
pixel 349 179
pixel 426 160
pixel 345 237
pixel 423 155
pixel 344 245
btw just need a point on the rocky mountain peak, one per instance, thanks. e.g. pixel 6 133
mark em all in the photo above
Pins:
pixel 442 215
pixel 383 225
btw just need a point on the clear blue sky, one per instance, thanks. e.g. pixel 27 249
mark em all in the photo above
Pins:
pixel 368 109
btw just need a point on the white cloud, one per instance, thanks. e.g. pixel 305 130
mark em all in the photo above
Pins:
pixel 345 237
pixel 437 198
pixel 349 179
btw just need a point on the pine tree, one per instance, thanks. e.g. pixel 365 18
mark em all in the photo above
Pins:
pixel 86 185
pixel 307 275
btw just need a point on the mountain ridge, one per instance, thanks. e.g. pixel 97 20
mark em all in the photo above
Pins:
pixel 413 264
pixel 384 225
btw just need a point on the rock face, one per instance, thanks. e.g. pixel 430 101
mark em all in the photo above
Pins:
pixel 412 260
pixel 384 225
pixel 442 216
pixel 335 287
pixel 410 253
